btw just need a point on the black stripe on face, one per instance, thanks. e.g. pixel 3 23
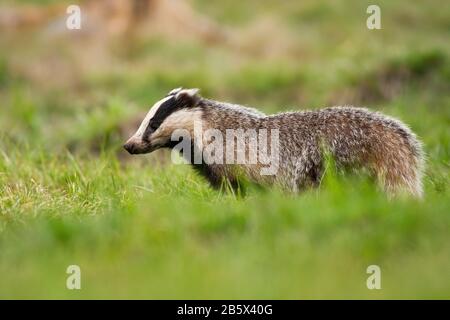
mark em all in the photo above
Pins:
pixel 166 109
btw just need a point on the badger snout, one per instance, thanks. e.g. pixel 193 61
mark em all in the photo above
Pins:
pixel 130 147
pixel 137 145
pixel 134 146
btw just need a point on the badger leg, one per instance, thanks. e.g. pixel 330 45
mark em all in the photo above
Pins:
pixel 211 175
pixel 217 177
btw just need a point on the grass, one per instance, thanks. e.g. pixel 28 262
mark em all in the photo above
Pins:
pixel 165 234
pixel 139 229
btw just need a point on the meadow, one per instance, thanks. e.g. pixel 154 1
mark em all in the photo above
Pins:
pixel 141 227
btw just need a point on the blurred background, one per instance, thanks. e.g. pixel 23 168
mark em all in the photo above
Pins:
pixel 81 87
pixel 69 194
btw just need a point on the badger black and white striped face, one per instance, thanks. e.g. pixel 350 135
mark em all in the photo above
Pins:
pixel 175 111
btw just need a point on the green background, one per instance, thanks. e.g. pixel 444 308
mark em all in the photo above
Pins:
pixel 140 227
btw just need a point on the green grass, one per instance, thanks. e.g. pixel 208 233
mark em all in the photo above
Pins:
pixel 164 234
pixel 142 229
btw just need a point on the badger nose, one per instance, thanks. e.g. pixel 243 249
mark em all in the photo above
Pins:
pixel 129 147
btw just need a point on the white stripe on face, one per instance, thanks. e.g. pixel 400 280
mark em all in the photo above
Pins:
pixel 149 116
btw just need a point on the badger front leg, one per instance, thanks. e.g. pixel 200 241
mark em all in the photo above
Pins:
pixel 217 176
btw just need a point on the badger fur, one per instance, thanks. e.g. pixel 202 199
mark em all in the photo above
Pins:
pixel 356 138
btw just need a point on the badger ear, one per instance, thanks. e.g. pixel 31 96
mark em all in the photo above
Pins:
pixel 189 97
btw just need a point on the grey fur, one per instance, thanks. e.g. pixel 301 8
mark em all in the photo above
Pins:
pixel 358 139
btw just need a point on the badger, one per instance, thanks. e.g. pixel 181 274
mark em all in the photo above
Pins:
pixel 355 138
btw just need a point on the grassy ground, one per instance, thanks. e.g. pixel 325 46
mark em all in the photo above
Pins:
pixel 139 229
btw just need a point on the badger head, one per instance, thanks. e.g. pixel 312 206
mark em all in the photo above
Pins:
pixel 177 110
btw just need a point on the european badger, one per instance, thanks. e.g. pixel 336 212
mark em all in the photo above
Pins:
pixel 356 138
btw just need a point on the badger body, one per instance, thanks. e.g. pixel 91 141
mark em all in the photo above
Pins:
pixel 356 138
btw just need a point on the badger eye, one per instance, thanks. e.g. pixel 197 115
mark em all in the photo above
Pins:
pixel 154 126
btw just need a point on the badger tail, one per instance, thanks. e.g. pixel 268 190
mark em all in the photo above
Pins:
pixel 405 167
